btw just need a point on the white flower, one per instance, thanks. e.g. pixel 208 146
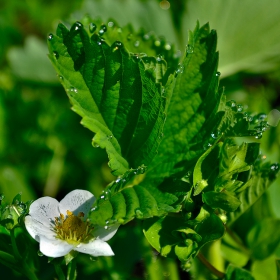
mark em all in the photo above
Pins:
pixel 63 226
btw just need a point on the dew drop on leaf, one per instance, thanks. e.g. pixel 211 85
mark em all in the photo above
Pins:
pixel 157 43
pixel 218 74
pixel 50 37
pixel 274 167
pixel 239 108
pixel 60 77
pixel 189 49
pixel 102 30
pixel 109 137
pixel 77 26
pixel 40 254
pixel 95 145
pixel 258 135
pixel 129 37
pixel 56 55
pixel 136 44
pixel 92 27
pixel 167 47
pixel 111 24
pixel 146 37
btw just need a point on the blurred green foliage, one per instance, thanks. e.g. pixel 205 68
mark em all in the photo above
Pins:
pixel 45 151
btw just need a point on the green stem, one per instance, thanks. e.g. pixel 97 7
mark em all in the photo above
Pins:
pixel 235 238
pixel 59 271
pixel 14 245
pixel 213 270
pixel 72 270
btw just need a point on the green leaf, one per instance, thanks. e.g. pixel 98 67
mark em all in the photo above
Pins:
pixel 223 200
pixel 174 236
pixel 263 175
pixel 265 269
pixel 264 238
pixel 194 103
pixel 117 97
pixel 237 273
pixel 232 252
pixel 127 198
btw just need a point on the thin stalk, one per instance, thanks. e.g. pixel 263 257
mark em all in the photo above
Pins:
pixel 213 270
pixel 237 241
pixel 14 245
pixel 59 271
pixel 72 270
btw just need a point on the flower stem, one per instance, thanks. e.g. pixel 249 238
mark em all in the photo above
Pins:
pixel 14 245
pixel 59 271
pixel 72 271
pixel 213 270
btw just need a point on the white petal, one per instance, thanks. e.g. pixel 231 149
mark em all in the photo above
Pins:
pixel 105 234
pixel 77 201
pixel 37 229
pixel 54 248
pixel 95 248
pixel 44 209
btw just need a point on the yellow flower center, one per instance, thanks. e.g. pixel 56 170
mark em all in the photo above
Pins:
pixel 72 229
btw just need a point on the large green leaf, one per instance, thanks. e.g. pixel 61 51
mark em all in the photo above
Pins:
pixel 264 238
pixel 126 198
pixel 117 97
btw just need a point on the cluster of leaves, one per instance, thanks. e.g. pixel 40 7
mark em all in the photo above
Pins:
pixel 168 132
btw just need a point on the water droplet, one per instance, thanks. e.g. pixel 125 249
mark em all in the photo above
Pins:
pixel 136 58
pixel 56 54
pixel 40 254
pixel 92 27
pixel 141 170
pixel 167 46
pixel 232 103
pixel 273 117
pixel 190 49
pixel 258 135
pixel 239 108
pixel 118 180
pixel 157 43
pixel 180 69
pixel 50 36
pixel 165 5
pixel 102 30
pixel 136 44
pixel 146 37
pixel 218 74
pixel 111 24
pixel 95 145
pixel 109 137
pixel 274 167
pixel 102 196
pixel 207 146
pixel 119 30
pixel 60 77
pixel 77 26
pixel 94 208
pixel 214 136
pixel 107 222
pixel 106 227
